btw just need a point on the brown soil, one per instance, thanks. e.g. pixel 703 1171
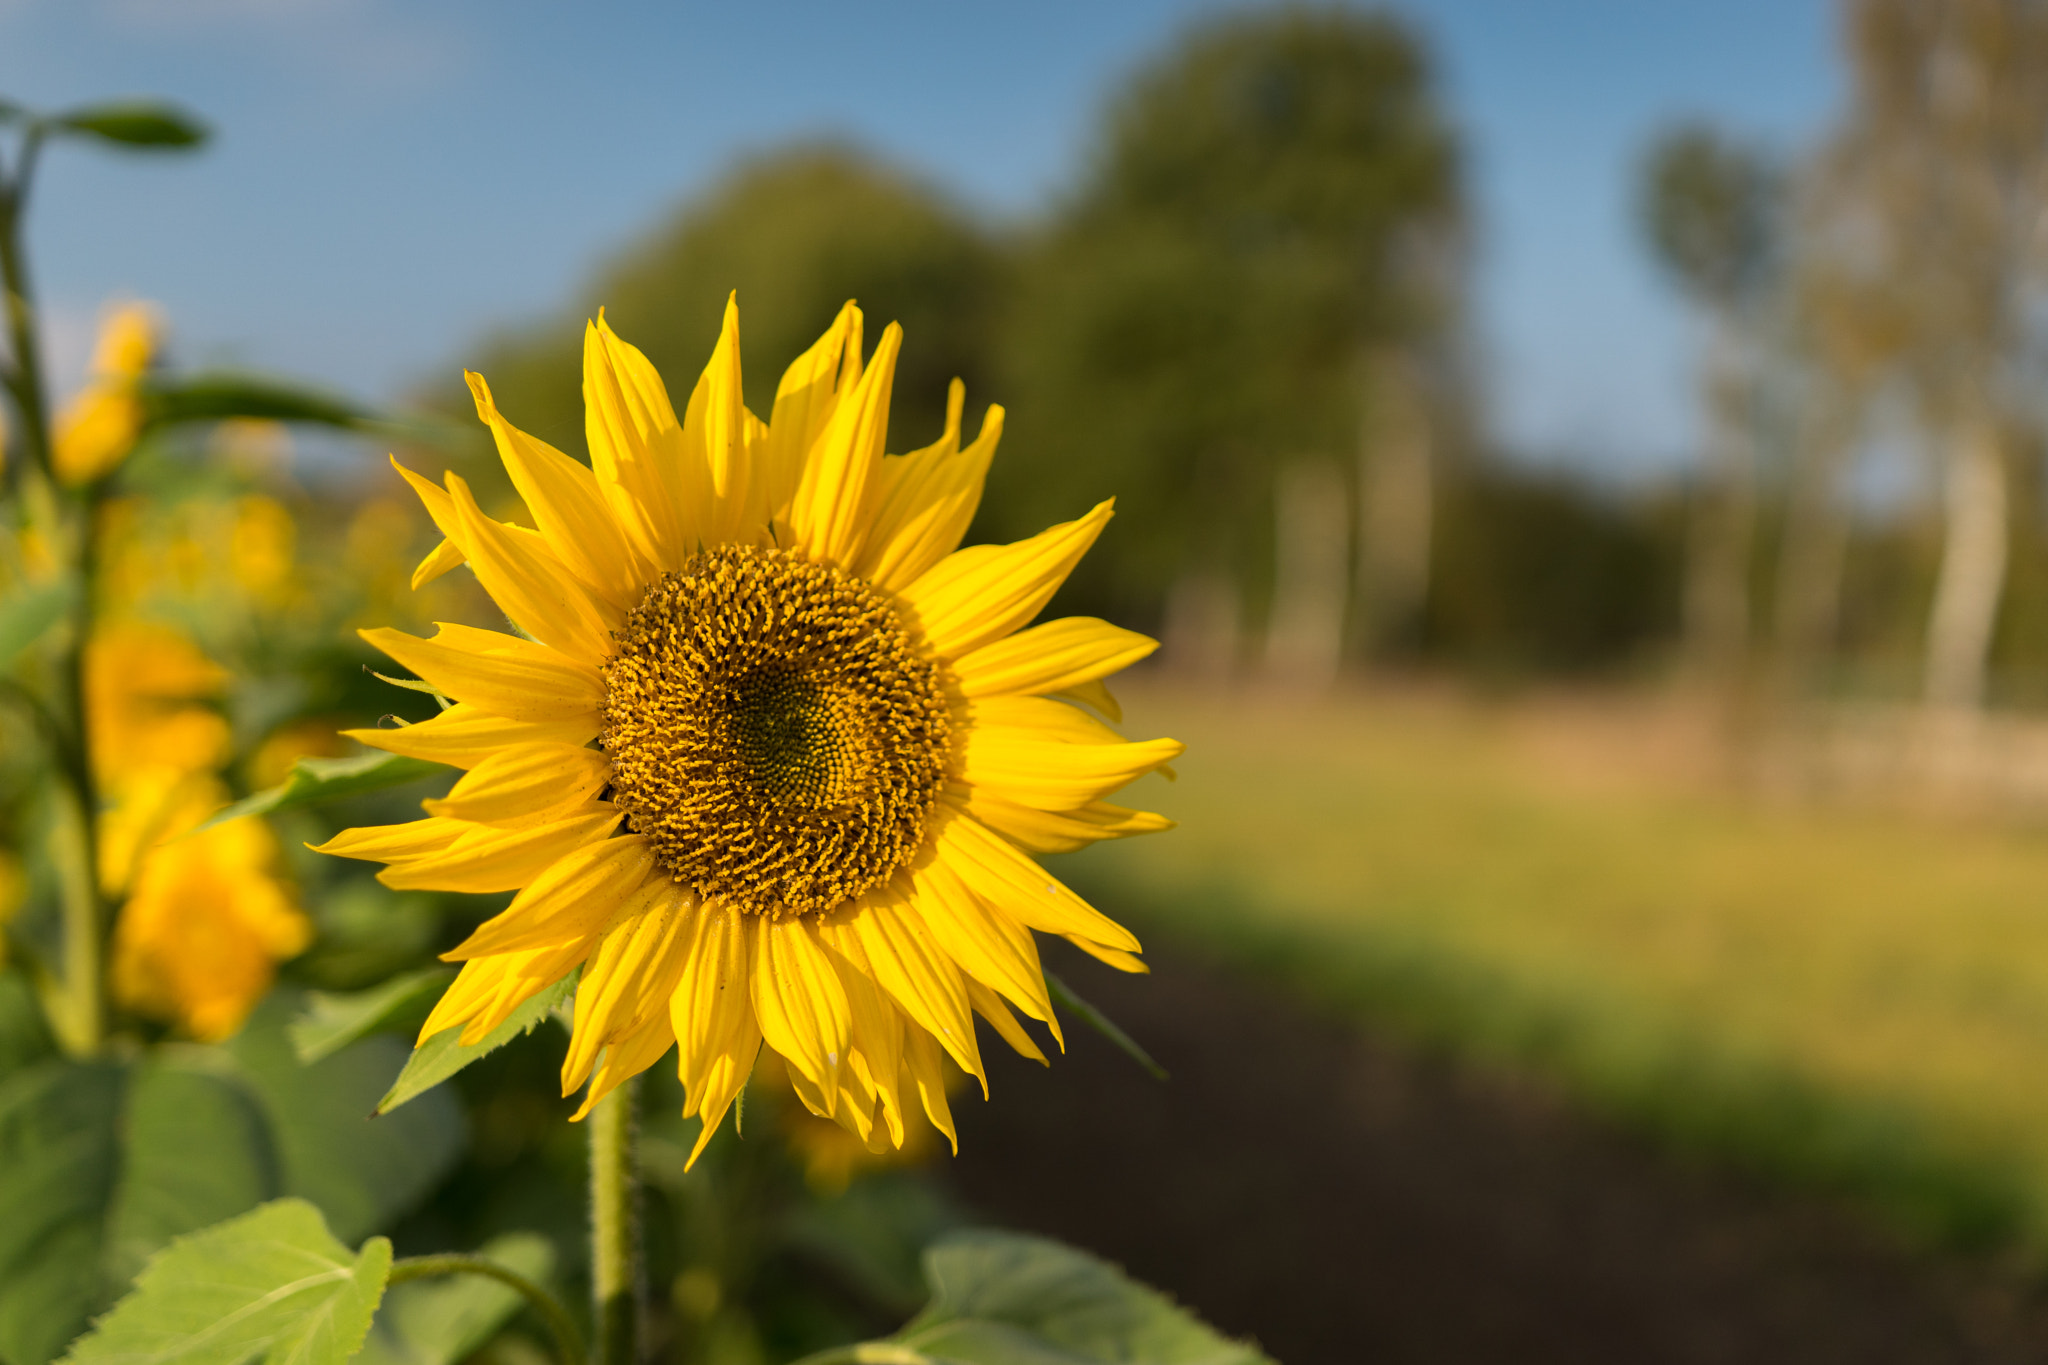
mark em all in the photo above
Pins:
pixel 1342 1200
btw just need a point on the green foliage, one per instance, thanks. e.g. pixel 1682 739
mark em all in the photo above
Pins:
pixel 273 1285
pixel 1274 197
pixel 1708 207
pixel 145 124
pixel 333 1019
pixel 443 1321
pixel 102 1163
pixel 1063 995
pixel 216 397
pixel 797 235
pixel 317 780
pixel 30 610
pixel 444 1054
pixel 999 1298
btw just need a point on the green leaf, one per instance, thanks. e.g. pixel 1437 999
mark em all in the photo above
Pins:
pixel 439 1322
pixel 333 1020
pixel 444 1054
pixel 134 123
pixel 363 1171
pixel 1000 1298
pixel 101 1164
pixel 1063 994
pixel 28 612
pixel 216 397
pixel 272 1285
pixel 315 780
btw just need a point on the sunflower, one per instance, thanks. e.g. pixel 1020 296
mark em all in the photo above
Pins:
pixel 768 755
pixel 100 424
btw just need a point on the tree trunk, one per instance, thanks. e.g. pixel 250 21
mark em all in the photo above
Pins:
pixel 1972 577
pixel 1199 640
pixel 1717 590
pixel 1311 580
pixel 1816 537
pixel 1396 500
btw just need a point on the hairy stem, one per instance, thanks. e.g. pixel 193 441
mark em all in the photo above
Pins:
pixel 568 1345
pixel 614 1235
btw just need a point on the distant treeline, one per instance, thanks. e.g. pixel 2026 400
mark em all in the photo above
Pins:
pixel 1246 321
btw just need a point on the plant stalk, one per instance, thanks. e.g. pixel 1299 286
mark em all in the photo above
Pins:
pixel 614 1231
pixel 568 1345
pixel 83 1027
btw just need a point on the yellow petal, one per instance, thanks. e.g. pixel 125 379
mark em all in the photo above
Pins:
pixel 628 979
pixel 991 948
pixel 712 1014
pixel 464 736
pixel 1056 656
pixel 523 783
pixel 636 446
pixel 826 515
pixel 502 674
pixel 1116 958
pixel 625 1059
pixel 387 843
pixel 1055 776
pixel 798 999
pixel 1094 693
pixel 923 1065
pixel 575 898
pixel 1016 886
pixel 1040 718
pixel 1046 831
pixel 715 439
pixel 486 992
pixel 984 592
pixel 568 506
pixel 443 557
pixel 910 965
pixel 805 400
pixel 990 1007
pixel 492 859
pixel 530 585
pixel 925 500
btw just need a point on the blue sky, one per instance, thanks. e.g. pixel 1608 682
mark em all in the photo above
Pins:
pixel 391 178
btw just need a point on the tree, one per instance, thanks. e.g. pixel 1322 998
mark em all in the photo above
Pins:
pixel 1709 209
pixel 796 233
pixel 1274 203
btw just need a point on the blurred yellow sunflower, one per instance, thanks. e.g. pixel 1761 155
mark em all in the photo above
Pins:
pixel 100 424
pixel 830 744
pixel 204 919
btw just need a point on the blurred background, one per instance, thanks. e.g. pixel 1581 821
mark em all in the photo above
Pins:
pixel 1586 461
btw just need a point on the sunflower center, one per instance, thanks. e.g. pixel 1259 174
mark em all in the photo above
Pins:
pixel 774 734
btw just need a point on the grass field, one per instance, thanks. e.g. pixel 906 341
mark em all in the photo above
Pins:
pixel 1848 997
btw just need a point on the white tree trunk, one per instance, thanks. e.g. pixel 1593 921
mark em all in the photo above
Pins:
pixel 1200 637
pixel 1809 589
pixel 1717 589
pixel 1311 580
pixel 1972 577
pixel 1396 498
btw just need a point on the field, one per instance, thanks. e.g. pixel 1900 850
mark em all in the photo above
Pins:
pixel 1850 997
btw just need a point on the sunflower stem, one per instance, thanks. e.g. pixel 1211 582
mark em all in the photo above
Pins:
pixel 614 1230
pixel 568 1345
pixel 81 1018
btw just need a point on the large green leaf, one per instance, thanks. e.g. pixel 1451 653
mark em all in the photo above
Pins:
pixel 27 612
pixel 103 1163
pixel 315 780
pixel 215 397
pixel 362 1170
pixel 134 123
pixel 444 1054
pixel 442 1321
pixel 335 1019
pixel 272 1285
pixel 1000 1298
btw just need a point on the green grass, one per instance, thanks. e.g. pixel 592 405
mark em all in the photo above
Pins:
pixel 1852 999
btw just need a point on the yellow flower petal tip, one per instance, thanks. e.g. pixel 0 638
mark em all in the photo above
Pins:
pixel 772 754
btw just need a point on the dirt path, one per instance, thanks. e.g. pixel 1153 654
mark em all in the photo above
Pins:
pixel 1342 1202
